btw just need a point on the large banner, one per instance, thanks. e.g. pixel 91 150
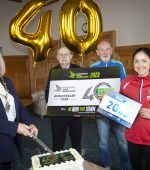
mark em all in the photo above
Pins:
pixel 75 91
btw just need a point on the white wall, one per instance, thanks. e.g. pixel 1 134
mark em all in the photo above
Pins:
pixel 130 19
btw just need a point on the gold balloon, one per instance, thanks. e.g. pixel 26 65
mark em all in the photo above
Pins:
pixel 39 42
pixel 67 25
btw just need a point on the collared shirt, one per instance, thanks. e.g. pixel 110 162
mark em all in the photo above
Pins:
pixel 11 114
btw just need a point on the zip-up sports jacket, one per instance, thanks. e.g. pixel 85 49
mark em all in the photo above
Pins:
pixel 138 89
pixel 111 63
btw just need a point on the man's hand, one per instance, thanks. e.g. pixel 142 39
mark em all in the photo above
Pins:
pixel 100 97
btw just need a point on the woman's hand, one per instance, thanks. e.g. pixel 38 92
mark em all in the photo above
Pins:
pixel 33 129
pixel 27 130
pixel 24 130
pixel 145 113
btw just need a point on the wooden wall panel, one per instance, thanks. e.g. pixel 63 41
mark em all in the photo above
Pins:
pixel 125 54
pixel 39 73
pixel 17 69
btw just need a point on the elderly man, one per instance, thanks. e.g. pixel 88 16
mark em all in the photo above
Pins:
pixel 60 124
pixel 104 124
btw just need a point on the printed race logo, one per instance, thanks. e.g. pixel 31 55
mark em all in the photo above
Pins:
pixel 99 90
pixel 102 88
pixel 86 94
pixel 58 88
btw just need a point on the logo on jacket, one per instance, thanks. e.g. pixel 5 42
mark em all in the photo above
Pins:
pixel 148 94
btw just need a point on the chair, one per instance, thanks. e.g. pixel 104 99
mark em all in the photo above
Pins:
pixel 39 103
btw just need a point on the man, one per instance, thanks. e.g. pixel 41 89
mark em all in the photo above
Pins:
pixel 60 124
pixel 104 124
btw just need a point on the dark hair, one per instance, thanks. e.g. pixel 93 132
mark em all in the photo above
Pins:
pixel 144 50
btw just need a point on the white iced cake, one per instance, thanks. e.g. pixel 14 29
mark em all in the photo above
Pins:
pixel 65 160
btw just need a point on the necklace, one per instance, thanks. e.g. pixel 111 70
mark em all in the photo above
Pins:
pixel 7 105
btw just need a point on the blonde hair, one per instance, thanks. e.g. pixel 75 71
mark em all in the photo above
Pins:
pixel 2 65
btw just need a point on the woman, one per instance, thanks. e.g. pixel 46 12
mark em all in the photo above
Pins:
pixel 14 121
pixel 138 88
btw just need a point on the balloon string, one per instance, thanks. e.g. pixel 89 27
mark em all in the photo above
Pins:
pixel 34 64
pixel 82 60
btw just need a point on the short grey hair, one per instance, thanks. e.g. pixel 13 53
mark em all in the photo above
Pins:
pixel 106 41
pixel 2 64
pixel 64 47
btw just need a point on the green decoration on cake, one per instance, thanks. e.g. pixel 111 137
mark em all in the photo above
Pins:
pixel 61 157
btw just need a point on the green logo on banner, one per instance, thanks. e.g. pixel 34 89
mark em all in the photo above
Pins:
pixel 72 75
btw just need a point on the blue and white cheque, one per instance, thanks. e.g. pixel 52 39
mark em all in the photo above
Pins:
pixel 119 108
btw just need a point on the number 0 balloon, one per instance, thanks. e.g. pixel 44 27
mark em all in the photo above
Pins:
pixel 67 24
pixel 39 42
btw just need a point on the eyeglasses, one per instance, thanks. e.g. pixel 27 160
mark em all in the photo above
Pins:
pixel 63 54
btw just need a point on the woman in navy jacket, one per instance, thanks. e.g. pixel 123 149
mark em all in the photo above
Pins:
pixel 14 121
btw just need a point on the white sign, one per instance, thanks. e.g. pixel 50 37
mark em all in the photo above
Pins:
pixel 80 92
pixel 119 108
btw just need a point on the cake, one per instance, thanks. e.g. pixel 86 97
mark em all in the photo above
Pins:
pixel 65 160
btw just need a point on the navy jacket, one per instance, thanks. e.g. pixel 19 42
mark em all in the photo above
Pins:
pixel 9 138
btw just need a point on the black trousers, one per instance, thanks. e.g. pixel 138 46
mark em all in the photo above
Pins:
pixel 139 156
pixel 60 125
